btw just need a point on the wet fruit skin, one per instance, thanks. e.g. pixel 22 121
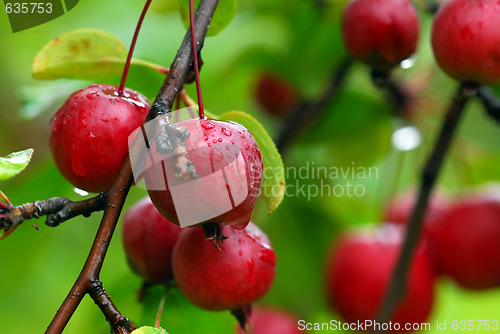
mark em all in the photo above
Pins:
pixel 274 94
pixel 233 277
pixel 149 239
pixel 467 240
pixel 213 147
pixel 270 321
pixel 359 270
pixel 89 134
pixel 466 40
pixel 381 33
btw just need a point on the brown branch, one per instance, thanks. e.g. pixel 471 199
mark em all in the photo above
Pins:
pixel 118 192
pixel 430 173
pixel 307 113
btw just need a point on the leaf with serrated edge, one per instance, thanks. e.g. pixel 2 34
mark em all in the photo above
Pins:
pixel 222 17
pixel 149 330
pixel 14 163
pixel 270 156
pixel 87 54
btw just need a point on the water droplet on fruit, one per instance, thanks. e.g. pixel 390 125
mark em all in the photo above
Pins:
pixel 242 135
pixel 205 138
pixel 251 264
pixel 232 141
pixel 247 147
pixel 219 140
pixel 215 141
pixel 225 131
pixel 267 255
pixel 92 95
pixel 208 125
pixel 240 253
pixel 91 137
pixel 66 119
pixel 217 154
pixel 228 147
pixel 73 106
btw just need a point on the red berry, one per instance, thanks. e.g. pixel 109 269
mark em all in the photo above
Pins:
pixel 467 241
pixel 466 40
pixel 267 321
pixel 239 274
pixel 400 208
pixel 359 271
pixel 90 132
pixel 229 165
pixel 274 94
pixel 149 239
pixel 381 33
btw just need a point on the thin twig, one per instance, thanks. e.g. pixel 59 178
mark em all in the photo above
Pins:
pixel 306 113
pixel 118 192
pixel 430 173
pixel 490 101
pixel 397 94
pixel 160 307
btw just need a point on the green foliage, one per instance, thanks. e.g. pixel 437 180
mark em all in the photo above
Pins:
pixel 14 163
pixel 273 183
pixel 87 54
pixel 221 19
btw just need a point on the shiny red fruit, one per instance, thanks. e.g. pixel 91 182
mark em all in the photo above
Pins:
pixel 229 165
pixel 467 240
pixel 466 40
pixel 269 321
pixel 360 268
pixel 274 94
pixel 230 278
pixel 149 239
pixel 90 132
pixel 381 33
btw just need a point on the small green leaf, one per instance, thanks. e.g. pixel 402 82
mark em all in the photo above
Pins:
pixel 14 163
pixel 87 54
pixel 149 330
pixel 273 184
pixel 223 15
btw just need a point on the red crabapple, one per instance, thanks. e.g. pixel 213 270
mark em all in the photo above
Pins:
pixel 227 279
pixel 149 239
pixel 270 321
pixel 466 40
pixel 381 33
pixel 467 240
pixel 90 132
pixel 229 165
pixel 360 268
pixel 274 94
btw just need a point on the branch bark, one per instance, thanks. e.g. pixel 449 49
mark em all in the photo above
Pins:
pixel 430 173
pixel 117 194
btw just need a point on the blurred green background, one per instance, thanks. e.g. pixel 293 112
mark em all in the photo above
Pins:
pixel 298 40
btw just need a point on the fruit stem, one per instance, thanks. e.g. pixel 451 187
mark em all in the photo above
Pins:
pixel 429 175
pixel 201 110
pixel 132 47
pixel 490 101
pixel 160 307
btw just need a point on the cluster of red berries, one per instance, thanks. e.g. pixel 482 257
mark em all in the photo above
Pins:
pixel 235 276
pixel 460 241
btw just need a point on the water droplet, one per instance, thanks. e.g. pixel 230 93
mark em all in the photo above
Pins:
pixel 251 264
pixel 205 138
pixel 92 95
pixel 208 125
pixel 247 147
pixel 219 140
pixel 240 253
pixel 66 119
pixel 225 131
pixel 91 137
pixel 73 106
pixel 228 147
pixel 267 254
pixel 217 154
pixel 215 141
pixel 242 135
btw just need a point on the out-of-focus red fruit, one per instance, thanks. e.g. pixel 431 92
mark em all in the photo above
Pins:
pixel 239 274
pixel 360 268
pixel 90 132
pixel 467 240
pixel 149 239
pixel 269 321
pixel 466 40
pixel 381 33
pixel 275 95
pixel 229 165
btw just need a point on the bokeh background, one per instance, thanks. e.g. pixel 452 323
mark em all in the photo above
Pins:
pixel 298 40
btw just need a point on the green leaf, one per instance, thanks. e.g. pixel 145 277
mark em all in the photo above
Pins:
pixel 87 54
pixel 149 330
pixel 273 184
pixel 14 163
pixel 223 15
